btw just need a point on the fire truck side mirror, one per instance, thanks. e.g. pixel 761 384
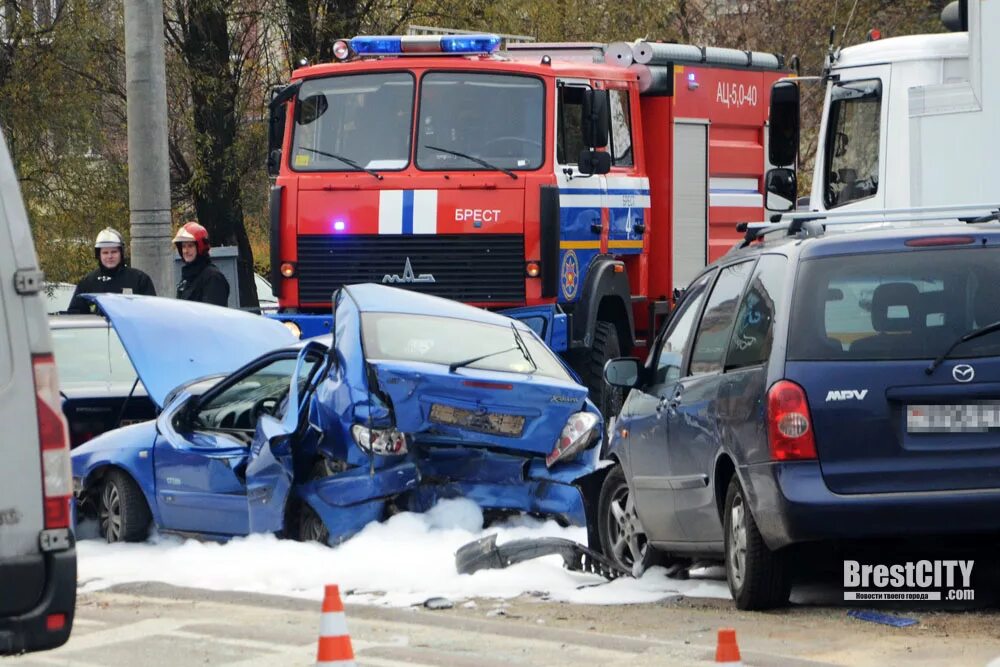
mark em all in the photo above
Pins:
pixel 783 137
pixel 593 162
pixel 275 135
pixel 596 118
pixel 781 187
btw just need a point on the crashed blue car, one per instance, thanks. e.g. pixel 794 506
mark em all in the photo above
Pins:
pixel 412 399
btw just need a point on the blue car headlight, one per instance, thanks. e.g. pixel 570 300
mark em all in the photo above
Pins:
pixel 383 442
pixel 579 433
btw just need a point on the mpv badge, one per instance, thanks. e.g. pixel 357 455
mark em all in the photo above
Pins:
pixel 963 373
pixel 408 276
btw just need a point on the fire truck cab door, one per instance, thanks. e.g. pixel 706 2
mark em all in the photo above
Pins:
pixel 582 198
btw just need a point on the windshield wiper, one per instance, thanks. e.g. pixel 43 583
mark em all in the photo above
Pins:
pixel 349 162
pixel 477 160
pixel 523 347
pixel 461 364
pixel 975 333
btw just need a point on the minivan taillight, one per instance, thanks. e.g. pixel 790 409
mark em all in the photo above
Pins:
pixel 789 428
pixel 53 442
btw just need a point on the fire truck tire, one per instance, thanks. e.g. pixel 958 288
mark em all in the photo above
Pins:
pixel 606 346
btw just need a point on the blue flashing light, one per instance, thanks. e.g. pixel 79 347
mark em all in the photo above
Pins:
pixel 470 43
pixel 339 226
pixel 691 76
pixel 377 45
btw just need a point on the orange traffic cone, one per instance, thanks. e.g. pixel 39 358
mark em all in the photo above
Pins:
pixel 334 642
pixel 727 652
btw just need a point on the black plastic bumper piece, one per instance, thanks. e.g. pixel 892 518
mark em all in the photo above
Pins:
pixel 29 631
pixel 484 554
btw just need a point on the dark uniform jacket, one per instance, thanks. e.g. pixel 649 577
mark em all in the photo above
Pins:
pixel 119 280
pixel 202 281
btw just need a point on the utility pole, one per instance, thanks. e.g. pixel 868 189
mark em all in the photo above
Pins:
pixel 148 161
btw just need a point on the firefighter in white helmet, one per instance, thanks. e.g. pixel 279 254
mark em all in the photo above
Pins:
pixel 112 273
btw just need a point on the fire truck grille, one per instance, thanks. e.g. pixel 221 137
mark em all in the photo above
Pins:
pixel 474 268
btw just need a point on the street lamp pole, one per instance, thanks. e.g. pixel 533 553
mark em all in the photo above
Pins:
pixel 148 159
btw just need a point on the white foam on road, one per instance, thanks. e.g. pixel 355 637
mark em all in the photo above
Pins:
pixel 403 561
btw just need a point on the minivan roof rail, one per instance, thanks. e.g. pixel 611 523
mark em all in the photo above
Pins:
pixel 798 221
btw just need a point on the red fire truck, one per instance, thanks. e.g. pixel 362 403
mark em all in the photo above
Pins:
pixel 578 183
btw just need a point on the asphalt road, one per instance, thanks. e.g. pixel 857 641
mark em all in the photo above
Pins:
pixel 154 625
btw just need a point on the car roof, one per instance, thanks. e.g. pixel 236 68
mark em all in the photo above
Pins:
pixel 372 298
pixel 838 239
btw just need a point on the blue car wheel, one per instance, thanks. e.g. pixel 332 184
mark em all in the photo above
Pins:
pixel 623 538
pixel 758 577
pixel 121 509
pixel 311 527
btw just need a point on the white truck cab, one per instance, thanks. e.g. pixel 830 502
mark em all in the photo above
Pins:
pixel 907 122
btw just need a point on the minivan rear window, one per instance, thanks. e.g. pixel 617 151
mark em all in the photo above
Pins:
pixel 887 306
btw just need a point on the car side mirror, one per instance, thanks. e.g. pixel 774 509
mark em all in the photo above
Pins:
pixel 596 118
pixel 593 162
pixel 280 445
pixel 624 372
pixel 782 188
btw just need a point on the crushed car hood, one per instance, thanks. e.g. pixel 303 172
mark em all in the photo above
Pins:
pixel 171 342
pixel 475 407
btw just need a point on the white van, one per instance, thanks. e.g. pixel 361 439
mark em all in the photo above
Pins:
pixel 37 553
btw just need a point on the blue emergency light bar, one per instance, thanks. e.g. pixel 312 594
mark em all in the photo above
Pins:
pixel 384 45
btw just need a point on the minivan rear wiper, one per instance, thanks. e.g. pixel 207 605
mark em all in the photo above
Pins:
pixel 348 161
pixel 975 333
pixel 477 160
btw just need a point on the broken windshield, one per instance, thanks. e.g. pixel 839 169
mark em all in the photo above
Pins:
pixel 362 119
pixel 497 118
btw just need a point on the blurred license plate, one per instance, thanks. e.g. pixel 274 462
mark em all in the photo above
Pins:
pixel 477 420
pixel 972 418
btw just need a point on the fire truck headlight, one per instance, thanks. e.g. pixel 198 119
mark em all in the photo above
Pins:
pixel 532 269
pixel 287 270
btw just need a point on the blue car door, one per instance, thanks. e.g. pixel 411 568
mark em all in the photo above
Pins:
pixel 694 436
pixel 644 416
pixel 270 469
pixel 202 448
pixel 546 321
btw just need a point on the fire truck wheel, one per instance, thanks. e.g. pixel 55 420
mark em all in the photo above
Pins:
pixel 606 346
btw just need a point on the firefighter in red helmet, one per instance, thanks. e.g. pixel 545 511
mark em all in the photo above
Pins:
pixel 112 273
pixel 201 280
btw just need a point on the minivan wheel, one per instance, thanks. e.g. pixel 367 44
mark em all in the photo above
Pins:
pixel 757 576
pixel 122 510
pixel 623 539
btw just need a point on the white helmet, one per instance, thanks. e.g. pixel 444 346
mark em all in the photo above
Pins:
pixel 109 238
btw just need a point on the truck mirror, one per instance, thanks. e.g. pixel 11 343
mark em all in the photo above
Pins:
pixel 274 162
pixel 276 124
pixel 593 162
pixel 781 187
pixel 783 145
pixel 596 118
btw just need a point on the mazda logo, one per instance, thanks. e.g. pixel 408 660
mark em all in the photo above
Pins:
pixel 963 373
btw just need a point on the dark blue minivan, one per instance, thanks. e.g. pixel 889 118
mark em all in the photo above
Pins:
pixel 818 383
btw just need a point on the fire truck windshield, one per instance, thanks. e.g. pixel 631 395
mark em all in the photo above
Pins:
pixel 497 118
pixel 354 122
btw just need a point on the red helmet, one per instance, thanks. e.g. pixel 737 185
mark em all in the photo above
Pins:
pixel 192 232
